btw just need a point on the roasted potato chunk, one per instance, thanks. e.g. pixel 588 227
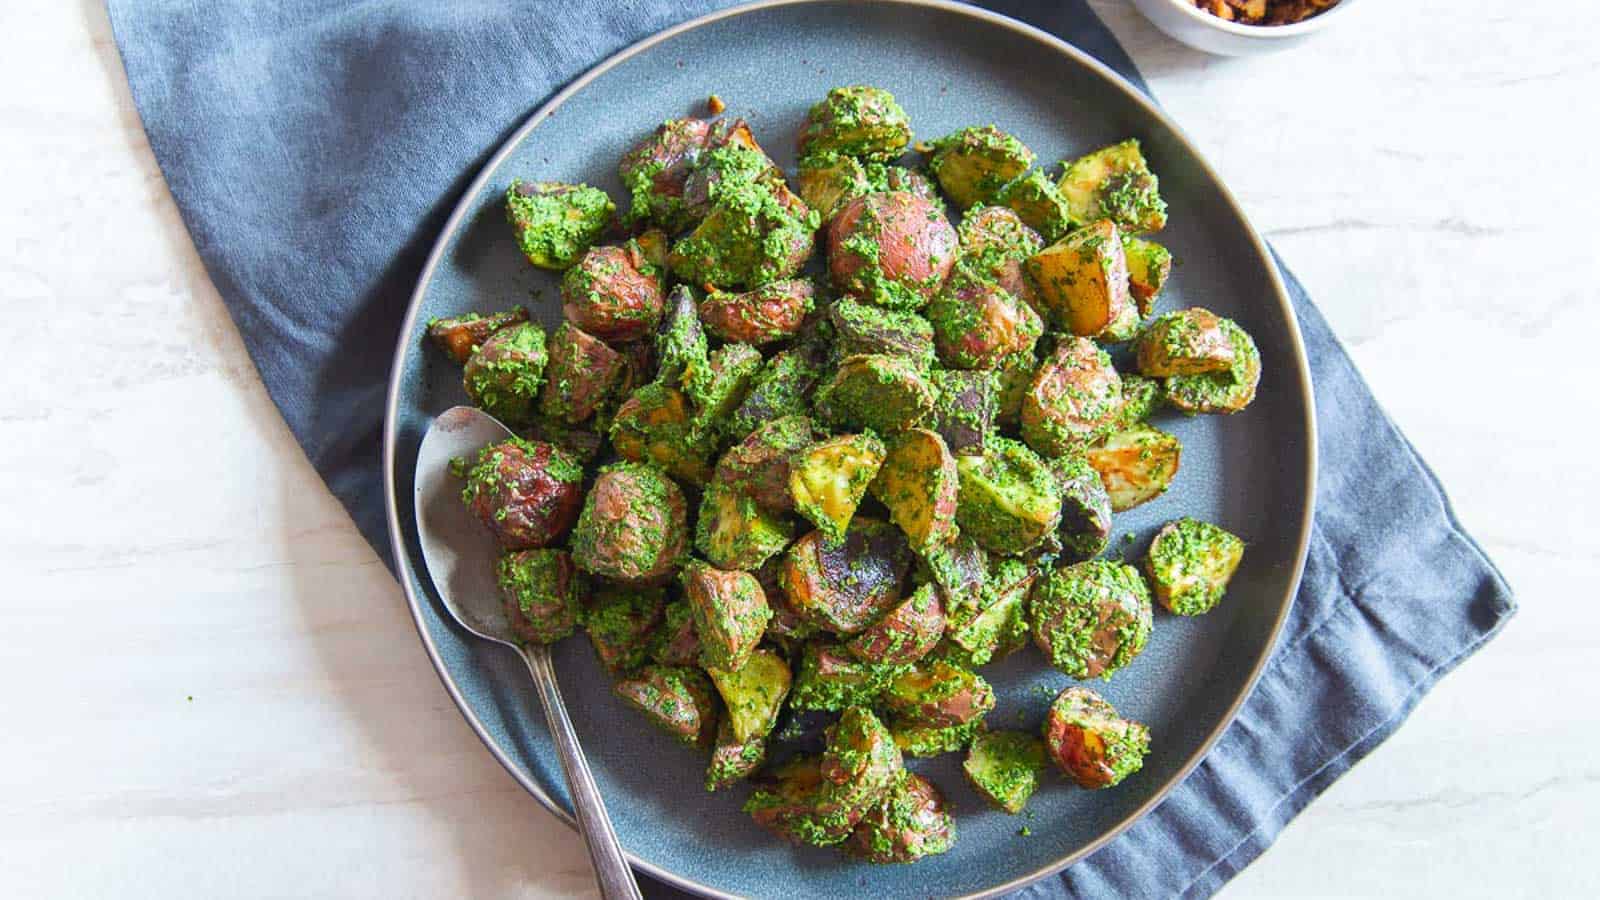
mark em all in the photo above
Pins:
pixel 681 340
pixel 893 249
pixel 939 694
pixel 1081 281
pixel 633 526
pixel 858 121
pixel 676 699
pixel 966 404
pixel 960 570
pixel 734 532
pixel 1089 742
pixel 730 614
pixel 779 389
pixel 1137 465
pixel 830 678
pixel 1220 392
pixel 997 231
pixel 753 693
pixel 977 324
pixel 622 623
pixel 827 181
pixel 787 804
pixel 554 222
pixel 755 234
pixel 1013 377
pixel 503 376
pixel 909 823
pixel 918 484
pixel 1074 398
pixel 613 294
pixel 1141 397
pixel 772 312
pixel 675 642
pixel 655 170
pixel 906 633
pixel 654 426
pixel 883 393
pixel 866 328
pixel 732 761
pixel 759 466
pixel 1085 509
pixel 1115 183
pixel 459 336
pixel 1040 203
pixel 828 479
pixel 1004 767
pixel 717 388
pixel 540 589
pixel 847 585
pixel 1190 563
pixel 581 374
pixel 1149 266
pixel 729 165
pixel 924 741
pixel 1091 618
pixel 974 164
pixel 1008 499
pixel 859 765
pixel 998 623
pixel 1186 342
pixel 526 493
pixel 899 178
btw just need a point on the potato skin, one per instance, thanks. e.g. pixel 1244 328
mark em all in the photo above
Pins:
pixel 655 169
pixel 909 823
pixel 845 587
pixel 1220 392
pixel 541 590
pixel 580 375
pixel 940 694
pixel 868 328
pixel 653 426
pixel 526 493
pixel 859 766
pixel 675 642
pixel 1008 500
pixel 677 699
pixel 732 761
pixel 1073 400
pixel 613 294
pixel 458 336
pixel 758 466
pixel 633 528
pixel 965 408
pixel 872 391
pixel 960 570
pixel 906 633
pixel 1085 509
pixel 781 388
pixel 894 249
pixel 1090 743
pixel 730 614
pixel 1091 618
pixel 1184 342
pixel 772 312
pixel 977 324
pixel 622 625
pixel 734 532
pixel 504 375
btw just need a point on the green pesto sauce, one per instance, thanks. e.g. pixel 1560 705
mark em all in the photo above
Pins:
pixel 556 224
pixel 1008 499
pixel 1067 608
pixel 504 376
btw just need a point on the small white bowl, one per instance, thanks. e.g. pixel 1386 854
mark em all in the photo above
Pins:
pixel 1185 22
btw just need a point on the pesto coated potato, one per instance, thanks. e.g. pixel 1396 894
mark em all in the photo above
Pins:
pixel 675 642
pixel 977 324
pixel 845 586
pixel 759 465
pixel 1184 342
pixel 733 760
pixel 1190 563
pixel 906 633
pixel 1073 400
pixel 677 699
pixel 1085 509
pixel 772 312
pixel 730 614
pixel 974 164
pixel 540 589
pixel 1037 200
pixel 526 493
pixel 680 342
pixel 1136 465
pixel 996 624
pixel 1008 499
pixel 621 623
pixel 994 244
pixel 554 222
pixel 1114 183
pixel 780 388
pixel 859 121
pixel 787 803
pixel 919 485
pixel 831 678
pixel 828 479
pixel 960 570
pixel 717 388
pixel 755 233
pixel 873 391
pixel 827 181
pixel 459 336
pixel 1004 767
pixel 654 425
pixel 938 693
pixel 633 528
pixel 580 375
pixel 867 328
pixel 1081 282
pixel 965 408
pixel 613 294
pixel 1089 742
pixel 893 249
pixel 1091 618
pixel 753 693
pixel 504 374
pixel 1220 392
pixel 909 823
pixel 655 169
pixel 859 765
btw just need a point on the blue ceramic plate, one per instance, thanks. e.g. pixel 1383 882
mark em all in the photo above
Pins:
pixel 950 66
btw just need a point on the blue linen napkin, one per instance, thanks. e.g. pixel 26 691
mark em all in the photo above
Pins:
pixel 315 150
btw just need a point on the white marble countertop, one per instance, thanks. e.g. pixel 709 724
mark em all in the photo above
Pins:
pixel 212 687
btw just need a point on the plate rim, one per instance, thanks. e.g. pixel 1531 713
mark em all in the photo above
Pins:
pixel 463 208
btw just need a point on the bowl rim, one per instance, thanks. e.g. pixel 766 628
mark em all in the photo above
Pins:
pixel 1263 32
pixel 406 573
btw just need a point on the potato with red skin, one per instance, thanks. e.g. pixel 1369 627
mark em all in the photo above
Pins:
pixel 677 699
pixel 730 614
pixel 654 426
pixel 894 249
pixel 613 294
pixel 758 466
pixel 978 324
pixel 1074 399
pixel 623 623
pixel 906 633
pixel 732 760
pixel 655 169
pixel 1091 618
pixel 526 493
pixel 540 589
pixel 786 804
pixel 772 312
pixel 458 336
pixel 676 642
pixel 859 766
pixel 633 528
pixel 504 374
pixel 1089 742
pixel 845 587
pixel 939 694
pixel 1184 342
pixel 994 244
pixel 910 822
pixel 580 375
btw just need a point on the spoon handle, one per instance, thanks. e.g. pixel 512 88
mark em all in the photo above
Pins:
pixel 610 866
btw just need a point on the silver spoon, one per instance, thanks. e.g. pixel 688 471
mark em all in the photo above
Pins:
pixel 461 559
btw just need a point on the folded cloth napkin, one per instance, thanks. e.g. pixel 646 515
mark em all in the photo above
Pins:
pixel 315 150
